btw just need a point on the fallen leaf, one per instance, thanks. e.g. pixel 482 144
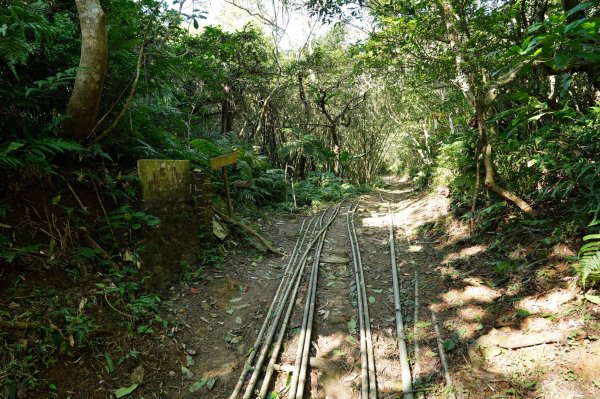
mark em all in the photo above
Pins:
pixel 186 372
pixel 352 326
pixel 423 324
pixel 124 391
pixel 210 383
pixel 593 298
pixel 198 385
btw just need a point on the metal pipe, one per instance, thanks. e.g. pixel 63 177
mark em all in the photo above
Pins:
pixel 368 335
pixel 406 379
pixel 283 282
pixel 417 368
pixel 364 367
pixel 303 352
pixel 267 343
pixel 275 352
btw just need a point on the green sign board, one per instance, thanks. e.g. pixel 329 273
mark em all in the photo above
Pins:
pixel 164 179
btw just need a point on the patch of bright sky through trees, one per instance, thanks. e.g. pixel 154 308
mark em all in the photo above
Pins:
pixel 297 26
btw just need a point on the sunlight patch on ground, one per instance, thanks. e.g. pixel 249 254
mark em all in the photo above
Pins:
pixel 464 253
pixel 388 191
pixel 550 302
pixel 471 293
pixel 415 248
pixel 411 214
pixel 472 313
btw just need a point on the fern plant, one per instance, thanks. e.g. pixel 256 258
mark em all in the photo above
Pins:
pixel 35 151
pixel 588 266
pixel 22 28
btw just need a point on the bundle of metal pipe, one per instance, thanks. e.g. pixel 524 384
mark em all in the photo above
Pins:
pixel 302 353
pixel 285 296
pixel 368 378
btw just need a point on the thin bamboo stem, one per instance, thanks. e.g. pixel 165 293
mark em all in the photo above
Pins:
pixel 275 353
pixel 298 385
pixel 417 365
pixel 406 379
pixel 267 343
pixel 364 368
pixel 248 363
pixel 367 319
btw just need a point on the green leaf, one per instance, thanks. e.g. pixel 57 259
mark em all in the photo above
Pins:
pixel 449 344
pixel 593 298
pixel 124 391
pixel 561 60
pixel 352 326
pixel 153 222
pixel 371 299
pixel 56 200
pixel 210 383
pixel 423 324
pixel 198 385
pixel 579 7
pixel 565 85
pixel 574 24
pixel 234 300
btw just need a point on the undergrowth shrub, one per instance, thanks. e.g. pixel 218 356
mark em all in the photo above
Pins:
pixel 588 265
pixel 324 187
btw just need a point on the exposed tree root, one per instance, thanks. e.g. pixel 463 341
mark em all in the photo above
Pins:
pixel 19 325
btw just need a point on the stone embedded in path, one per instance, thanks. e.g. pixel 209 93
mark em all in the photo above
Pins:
pixel 336 259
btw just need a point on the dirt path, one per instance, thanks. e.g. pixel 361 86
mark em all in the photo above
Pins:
pixel 456 279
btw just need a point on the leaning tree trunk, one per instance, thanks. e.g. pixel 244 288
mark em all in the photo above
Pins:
pixel 481 107
pixel 488 165
pixel 84 104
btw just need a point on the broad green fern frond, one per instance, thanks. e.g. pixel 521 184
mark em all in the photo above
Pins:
pixel 588 266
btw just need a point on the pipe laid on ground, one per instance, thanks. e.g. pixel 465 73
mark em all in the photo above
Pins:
pixel 283 282
pixel 417 368
pixel 443 359
pixel 275 352
pixel 406 378
pixel 267 343
pixel 303 352
pixel 368 335
pixel 364 367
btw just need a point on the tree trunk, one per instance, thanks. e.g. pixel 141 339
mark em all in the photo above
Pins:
pixel 227 110
pixel 84 104
pixel 481 105
pixel 488 165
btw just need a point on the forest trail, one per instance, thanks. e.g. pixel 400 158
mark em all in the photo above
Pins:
pixel 532 345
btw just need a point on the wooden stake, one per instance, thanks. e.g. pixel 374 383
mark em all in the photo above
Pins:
pixel 229 206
